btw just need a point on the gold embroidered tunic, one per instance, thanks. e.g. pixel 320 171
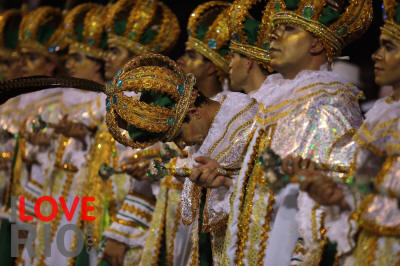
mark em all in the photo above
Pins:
pixel 303 116
pixel 377 160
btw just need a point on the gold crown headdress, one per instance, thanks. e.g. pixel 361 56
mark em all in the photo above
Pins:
pixel 335 22
pixel 150 95
pixel 250 36
pixel 142 25
pixel 9 24
pixel 41 31
pixel 391 18
pixel 84 26
pixel 209 32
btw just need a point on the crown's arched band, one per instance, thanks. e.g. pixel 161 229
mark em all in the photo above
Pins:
pixel 207 52
pixel 251 51
pixel 332 41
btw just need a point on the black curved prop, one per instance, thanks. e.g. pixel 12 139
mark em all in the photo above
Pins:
pixel 14 87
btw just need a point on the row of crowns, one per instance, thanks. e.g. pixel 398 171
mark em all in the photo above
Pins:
pixel 391 16
pixel 148 25
pixel 335 22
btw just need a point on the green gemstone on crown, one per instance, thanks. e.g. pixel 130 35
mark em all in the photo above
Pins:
pixel 277 6
pixel 170 121
pixel 342 29
pixel 308 12
pixel 212 43
pixel 180 89
pixel 132 35
pixel 266 46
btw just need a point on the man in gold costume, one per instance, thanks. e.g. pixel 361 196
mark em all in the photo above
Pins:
pixel 304 109
pixel 374 156
pixel 249 46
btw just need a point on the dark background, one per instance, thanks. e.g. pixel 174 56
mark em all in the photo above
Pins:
pixel 360 51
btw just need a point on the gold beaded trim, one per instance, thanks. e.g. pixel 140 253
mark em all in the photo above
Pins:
pixel 251 51
pixel 332 41
pixel 182 107
pixel 133 46
pixel 137 211
pixel 37 48
pixel 391 29
pixel 88 50
pixel 207 52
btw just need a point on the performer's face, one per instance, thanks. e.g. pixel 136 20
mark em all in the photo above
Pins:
pixel 81 66
pixel 387 61
pixel 34 64
pixel 290 48
pixel 238 72
pixel 195 63
pixel 117 56
pixel 194 128
pixel 10 69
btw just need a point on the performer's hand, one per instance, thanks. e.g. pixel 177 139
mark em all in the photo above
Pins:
pixel 137 169
pixel 325 191
pixel 206 174
pixel 299 166
pixel 72 130
pixel 114 252
pixel 40 139
pixel 319 187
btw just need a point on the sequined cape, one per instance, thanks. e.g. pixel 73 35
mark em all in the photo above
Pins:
pixel 303 116
pixel 377 157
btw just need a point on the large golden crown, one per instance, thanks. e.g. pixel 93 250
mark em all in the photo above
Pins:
pixel 148 100
pixel 335 22
pixel 142 25
pixel 9 24
pixel 209 32
pixel 391 17
pixel 41 31
pixel 84 28
pixel 250 35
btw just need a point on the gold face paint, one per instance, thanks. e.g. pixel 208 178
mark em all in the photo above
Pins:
pixel 387 61
pixel 193 62
pixel 290 48
pixel 10 69
pixel 80 66
pixel 237 72
pixel 117 57
pixel 34 64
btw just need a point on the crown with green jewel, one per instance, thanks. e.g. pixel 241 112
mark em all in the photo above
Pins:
pixel 41 31
pixel 209 33
pixel 148 100
pixel 250 35
pixel 142 25
pixel 335 22
pixel 84 26
pixel 391 17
